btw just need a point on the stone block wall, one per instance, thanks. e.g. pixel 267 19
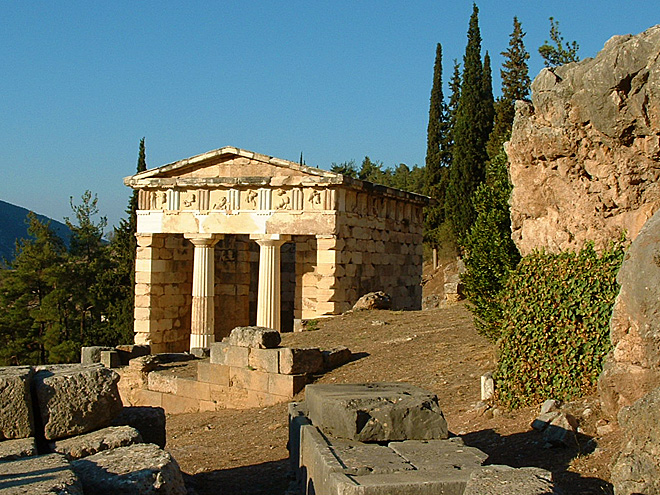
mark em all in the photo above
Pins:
pixel 163 292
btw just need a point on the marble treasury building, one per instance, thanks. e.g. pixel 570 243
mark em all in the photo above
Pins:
pixel 232 238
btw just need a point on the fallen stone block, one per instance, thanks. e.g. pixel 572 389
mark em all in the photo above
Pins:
pixel 561 431
pixel 542 421
pixel 299 361
pixel 440 455
pixel 505 480
pixel 149 421
pixel 96 441
pixel 375 412
pixel 76 399
pixel 259 337
pixel 110 359
pixel 15 449
pixel 229 355
pixel 373 300
pixel 139 469
pixel 336 357
pixel 132 351
pixel 16 419
pixel 50 473
pixel 92 354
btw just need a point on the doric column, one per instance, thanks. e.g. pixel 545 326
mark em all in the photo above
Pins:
pixel 202 321
pixel 268 296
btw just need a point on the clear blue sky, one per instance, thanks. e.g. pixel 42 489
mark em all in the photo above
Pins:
pixel 83 81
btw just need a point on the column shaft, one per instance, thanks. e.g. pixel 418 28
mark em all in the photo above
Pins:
pixel 202 320
pixel 268 295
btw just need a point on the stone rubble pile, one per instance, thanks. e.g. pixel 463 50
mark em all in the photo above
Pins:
pixel 63 430
pixel 390 438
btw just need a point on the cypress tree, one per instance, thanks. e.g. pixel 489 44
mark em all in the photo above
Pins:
pixel 515 86
pixel 471 131
pixel 437 154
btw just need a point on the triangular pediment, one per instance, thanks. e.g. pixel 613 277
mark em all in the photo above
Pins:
pixel 231 165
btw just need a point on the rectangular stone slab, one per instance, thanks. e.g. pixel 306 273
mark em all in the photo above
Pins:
pixel 15 449
pixel 367 458
pixel 440 455
pixel 16 420
pixel 50 473
pixel 375 412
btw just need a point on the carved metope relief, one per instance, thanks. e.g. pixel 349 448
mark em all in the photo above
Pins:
pixel 190 199
pixel 252 196
pixel 315 198
pixel 283 200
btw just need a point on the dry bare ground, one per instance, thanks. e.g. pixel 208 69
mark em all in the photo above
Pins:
pixel 244 452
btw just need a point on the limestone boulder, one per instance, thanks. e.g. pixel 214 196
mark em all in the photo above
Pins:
pixel 257 337
pixel 632 369
pixel 584 153
pixel 139 469
pixel 637 467
pixel 50 474
pixel 76 399
pixel 16 418
pixel 96 441
pixel 375 412
pixel 373 300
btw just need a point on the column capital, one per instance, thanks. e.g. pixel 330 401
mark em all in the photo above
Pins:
pixel 270 239
pixel 204 239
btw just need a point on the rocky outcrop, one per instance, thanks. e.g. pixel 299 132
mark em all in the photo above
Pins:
pixel 585 153
pixel 632 369
pixel 637 468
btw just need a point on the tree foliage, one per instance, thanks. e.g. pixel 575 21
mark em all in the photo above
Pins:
pixel 555 52
pixel 474 121
pixel 490 254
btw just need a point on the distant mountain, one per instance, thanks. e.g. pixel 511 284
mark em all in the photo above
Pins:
pixel 13 226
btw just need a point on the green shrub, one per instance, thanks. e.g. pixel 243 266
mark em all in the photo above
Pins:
pixel 490 254
pixel 556 310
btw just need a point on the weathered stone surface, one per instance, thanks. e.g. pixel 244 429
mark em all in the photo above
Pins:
pixel 132 351
pixel 368 458
pixel 297 361
pixel 92 354
pixel 632 369
pixel 505 480
pixel 561 431
pixel 110 359
pixel 336 357
pixel 375 412
pixel 16 420
pixel 373 300
pixel 15 449
pixel 149 421
pixel 138 469
pixel 39 474
pixel 584 153
pixel 96 441
pixel 259 337
pixel 637 468
pixel 440 455
pixel 76 399
pixel 542 421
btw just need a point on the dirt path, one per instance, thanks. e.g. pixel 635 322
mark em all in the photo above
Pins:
pixel 244 452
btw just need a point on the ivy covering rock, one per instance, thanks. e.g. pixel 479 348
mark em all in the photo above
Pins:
pixel 555 325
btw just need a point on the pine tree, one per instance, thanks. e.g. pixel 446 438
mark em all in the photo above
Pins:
pixel 25 317
pixel 515 86
pixel 371 171
pixel 470 134
pixel 558 54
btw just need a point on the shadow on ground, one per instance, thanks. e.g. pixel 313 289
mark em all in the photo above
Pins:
pixel 527 450
pixel 267 478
